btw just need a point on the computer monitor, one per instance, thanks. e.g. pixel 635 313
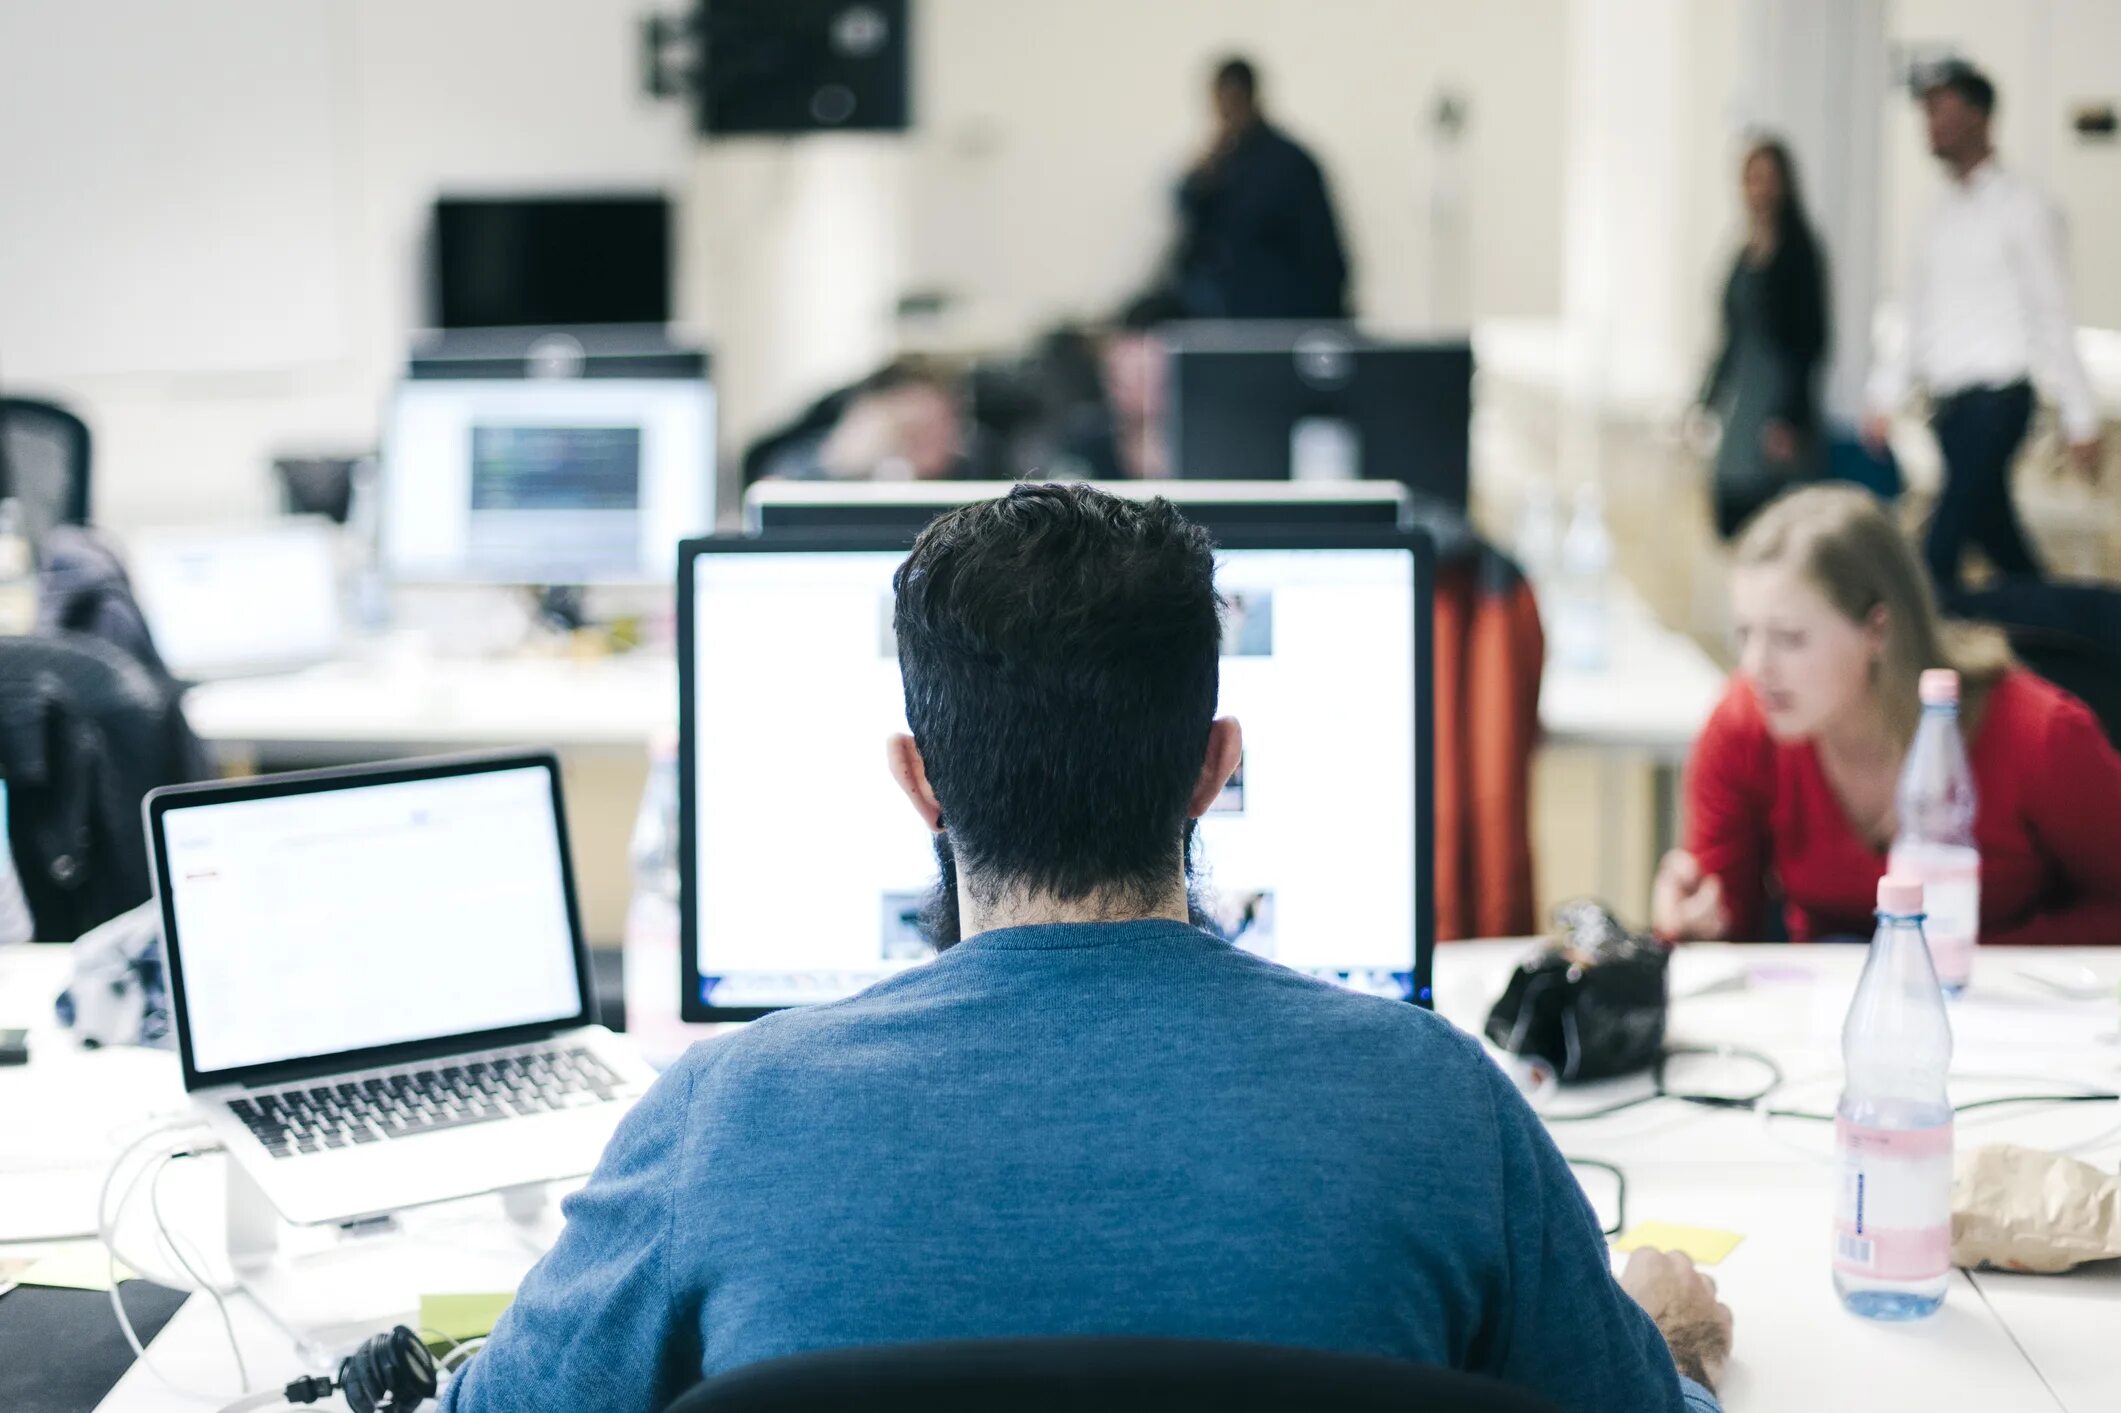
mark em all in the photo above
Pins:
pixel 542 481
pixel 540 261
pixel 775 507
pixel 238 600
pixel 803 869
pixel 1272 401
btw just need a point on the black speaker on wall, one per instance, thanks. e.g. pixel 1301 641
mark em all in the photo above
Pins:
pixel 803 66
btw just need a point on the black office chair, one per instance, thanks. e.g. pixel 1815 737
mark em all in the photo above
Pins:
pixel 1097 1375
pixel 86 730
pixel 44 463
pixel 2068 633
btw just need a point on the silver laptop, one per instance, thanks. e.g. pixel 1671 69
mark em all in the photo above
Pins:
pixel 381 990
pixel 237 601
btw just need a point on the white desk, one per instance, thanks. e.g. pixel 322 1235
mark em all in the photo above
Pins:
pixel 2000 1343
pixel 406 705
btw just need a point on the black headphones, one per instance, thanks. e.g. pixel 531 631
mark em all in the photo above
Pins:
pixel 392 1371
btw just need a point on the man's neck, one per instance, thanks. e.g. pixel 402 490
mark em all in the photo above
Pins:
pixel 1018 909
pixel 1964 165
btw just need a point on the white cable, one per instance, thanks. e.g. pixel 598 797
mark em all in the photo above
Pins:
pixel 154 1202
pixel 106 1228
pixel 264 1398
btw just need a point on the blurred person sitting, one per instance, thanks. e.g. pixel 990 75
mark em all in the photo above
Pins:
pixel 1119 434
pixel 1794 777
pixel 1763 384
pixel 904 422
pixel 1257 234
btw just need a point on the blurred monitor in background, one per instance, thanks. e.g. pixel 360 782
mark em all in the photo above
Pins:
pixel 547 482
pixel 531 261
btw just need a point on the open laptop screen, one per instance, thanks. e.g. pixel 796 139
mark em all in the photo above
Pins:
pixel 365 914
pixel 807 869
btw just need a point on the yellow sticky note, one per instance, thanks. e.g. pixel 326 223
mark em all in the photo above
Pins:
pixel 461 1317
pixel 78 1265
pixel 1705 1244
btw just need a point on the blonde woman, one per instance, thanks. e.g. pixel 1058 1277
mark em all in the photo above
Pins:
pixel 1790 789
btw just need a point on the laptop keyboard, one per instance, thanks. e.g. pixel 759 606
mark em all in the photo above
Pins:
pixel 313 1120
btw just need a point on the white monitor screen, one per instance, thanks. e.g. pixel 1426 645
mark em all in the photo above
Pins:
pixel 811 866
pixel 248 599
pixel 341 919
pixel 571 482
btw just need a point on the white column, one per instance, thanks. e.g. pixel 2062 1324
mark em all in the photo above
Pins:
pixel 1625 283
pixel 1814 73
pixel 801 251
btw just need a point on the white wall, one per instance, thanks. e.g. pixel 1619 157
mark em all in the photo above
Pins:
pixel 1035 187
pixel 467 94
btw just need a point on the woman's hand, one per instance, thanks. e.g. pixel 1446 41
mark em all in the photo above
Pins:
pixel 1686 905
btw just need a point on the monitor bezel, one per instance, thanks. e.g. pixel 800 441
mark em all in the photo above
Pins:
pixel 172 799
pixel 1417 544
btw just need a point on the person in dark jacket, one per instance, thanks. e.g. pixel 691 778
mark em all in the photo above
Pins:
pixel 1762 384
pixel 1257 235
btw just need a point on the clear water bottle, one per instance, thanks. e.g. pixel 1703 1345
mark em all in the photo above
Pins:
pixel 18 573
pixel 651 941
pixel 1935 845
pixel 1538 542
pixel 1583 588
pixel 16 924
pixel 1893 1128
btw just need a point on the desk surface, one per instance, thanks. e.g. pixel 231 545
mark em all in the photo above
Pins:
pixel 2001 1342
pixel 419 703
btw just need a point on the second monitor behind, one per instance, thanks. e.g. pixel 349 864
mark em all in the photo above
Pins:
pixel 906 507
pixel 1275 401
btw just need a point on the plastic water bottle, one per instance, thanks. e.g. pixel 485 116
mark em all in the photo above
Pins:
pixel 1538 543
pixel 1583 613
pixel 1935 845
pixel 1893 1128
pixel 16 924
pixel 651 941
pixel 18 573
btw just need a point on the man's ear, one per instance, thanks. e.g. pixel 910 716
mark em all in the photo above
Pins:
pixel 911 773
pixel 1226 751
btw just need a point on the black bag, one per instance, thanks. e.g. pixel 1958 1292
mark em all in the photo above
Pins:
pixel 1590 1003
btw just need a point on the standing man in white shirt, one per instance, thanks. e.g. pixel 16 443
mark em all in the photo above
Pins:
pixel 1987 306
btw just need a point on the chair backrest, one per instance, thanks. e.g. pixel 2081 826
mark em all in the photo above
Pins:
pixel 1098 1375
pixel 86 730
pixel 2068 633
pixel 44 463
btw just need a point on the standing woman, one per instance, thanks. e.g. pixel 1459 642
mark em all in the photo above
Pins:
pixel 1774 339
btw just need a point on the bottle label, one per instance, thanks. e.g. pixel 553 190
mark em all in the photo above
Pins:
pixel 1893 1221
pixel 1951 902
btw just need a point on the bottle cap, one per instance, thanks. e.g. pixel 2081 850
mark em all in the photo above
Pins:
pixel 1940 687
pixel 1899 895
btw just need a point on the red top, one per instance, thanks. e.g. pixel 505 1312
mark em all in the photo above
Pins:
pixel 2049 822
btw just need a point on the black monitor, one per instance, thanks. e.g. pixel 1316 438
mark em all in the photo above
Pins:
pixel 802 869
pixel 906 507
pixel 1272 401
pixel 544 261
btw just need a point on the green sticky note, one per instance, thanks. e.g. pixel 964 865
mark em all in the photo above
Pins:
pixel 447 1319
